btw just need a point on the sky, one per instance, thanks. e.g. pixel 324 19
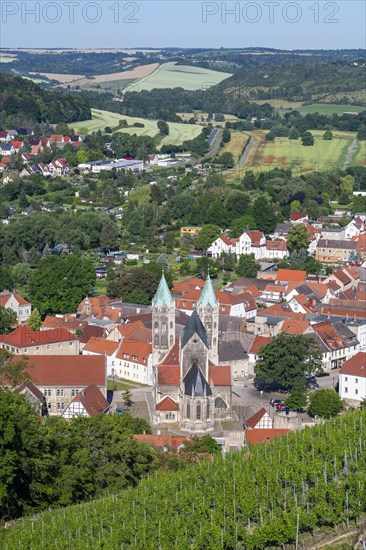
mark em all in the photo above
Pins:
pixel 190 24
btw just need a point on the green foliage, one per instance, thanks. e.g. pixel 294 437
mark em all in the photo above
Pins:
pixel 328 135
pixel 307 138
pixel 163 127
pixel 60 283
pixel 136 286
pixel 208 234
pixel 298 237
pixel 298 396
pixel 287 358
pixel 12 371
pixel 34 321
pixel 24 101
pixel 205 444
pixel 264 215
pixel 325 403
pixel 226 159
pixel 8 319
pixel 108 237
pixel 316 478
pixel 247 266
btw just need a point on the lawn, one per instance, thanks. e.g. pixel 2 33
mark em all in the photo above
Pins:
pixel 360 156
pixel 171 75
pixel 118 386
pixel 101 119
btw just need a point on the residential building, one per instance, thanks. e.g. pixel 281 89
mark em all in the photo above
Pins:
pixel 103 347
pixel 15 302
pixel 24 340
pixel 261 420
pixel 190 230
pixel 89 402
pixel 60 378
pixel 134 362
pixel 334 251
pixel 337 342
pixel 352 379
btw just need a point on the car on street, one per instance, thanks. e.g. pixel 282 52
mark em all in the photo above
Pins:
pixel 276 402
pixel 283 408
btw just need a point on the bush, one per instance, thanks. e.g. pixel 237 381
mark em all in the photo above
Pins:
pixel 325 403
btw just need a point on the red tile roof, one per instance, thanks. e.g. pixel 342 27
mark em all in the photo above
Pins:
pixel 288 275
pixel 101 346
pixel 255 236
pixel 167 404
pixel 297 216
pixel 356 366
pixel 220 376
pixel 5 295
pixel 135 331
pixel 172 359
pixel 66 370
pixel 258 343
pixel 133 350
pixel 23 337
pixel 168 441
pixel 93 400
pixel 276 245
pixel 169 375
pixel 182 287
pixel 254 420
pixel 253 437
pixel 295 326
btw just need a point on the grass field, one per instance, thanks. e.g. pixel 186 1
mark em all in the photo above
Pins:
pixel 329 108
pixel 170 75
pixel 284 152
pixel 235 145
pixel 101 119
pixel 360 156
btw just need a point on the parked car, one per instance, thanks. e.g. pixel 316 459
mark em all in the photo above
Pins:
pixel 283 408
pixel 275 402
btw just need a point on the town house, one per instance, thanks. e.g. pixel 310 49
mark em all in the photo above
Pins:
pixel 16 303
pixel 24 340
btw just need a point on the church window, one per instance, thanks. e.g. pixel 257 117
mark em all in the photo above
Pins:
pixel 156 326
pixel 208 409
pixel 156 340
pixel 171 340
pixel 198 411
pixel 188 410
pixel 214 341
pixel 164 328
pixel 171 324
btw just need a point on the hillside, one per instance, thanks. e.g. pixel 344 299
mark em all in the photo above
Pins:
pixel 312 82
pixel 23 102
pixel 313 478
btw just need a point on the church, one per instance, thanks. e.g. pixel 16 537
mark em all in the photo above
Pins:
pixel 190 389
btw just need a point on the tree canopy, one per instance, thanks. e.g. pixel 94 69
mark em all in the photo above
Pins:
pixel 325 403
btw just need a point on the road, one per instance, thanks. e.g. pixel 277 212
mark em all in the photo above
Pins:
pixel 215 144
pixel 243 158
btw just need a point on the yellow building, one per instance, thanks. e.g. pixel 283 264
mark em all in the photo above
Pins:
pixel 190 230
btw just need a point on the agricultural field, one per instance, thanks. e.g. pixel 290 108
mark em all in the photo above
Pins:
pixel 101 119
pixel 329 108
pixel 235 145
pixel 171 75
pixel 360 156
pixel 284 152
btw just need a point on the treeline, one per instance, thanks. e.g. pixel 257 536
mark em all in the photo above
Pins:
pixel 22 102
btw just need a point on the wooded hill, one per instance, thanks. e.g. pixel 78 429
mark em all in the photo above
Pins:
pixel 22 102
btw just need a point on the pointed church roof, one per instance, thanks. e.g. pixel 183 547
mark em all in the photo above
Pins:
pixel 162 295
pixel 194 326
pixel 207 294
pixel 195 383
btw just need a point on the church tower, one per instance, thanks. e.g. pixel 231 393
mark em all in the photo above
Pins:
pixel 163 322
pixel 208 310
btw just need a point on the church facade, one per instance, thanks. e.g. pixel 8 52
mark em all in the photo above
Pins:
pixel 189 389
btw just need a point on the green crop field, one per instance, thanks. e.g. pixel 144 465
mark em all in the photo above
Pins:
pixel 178 132
pixel 170 75
pixel 329 108
pixel 360 156
pixel 284 152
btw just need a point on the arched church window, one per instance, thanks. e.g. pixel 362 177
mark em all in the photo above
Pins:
pixel 156 340
pixel 198 411
pixel 171 324
pixel 208 409
pixel 188 411
pixel 171 340
pixel 156 326
pixel 163 328
pixel 214 341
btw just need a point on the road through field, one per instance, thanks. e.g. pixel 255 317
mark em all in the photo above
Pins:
pixel 243 158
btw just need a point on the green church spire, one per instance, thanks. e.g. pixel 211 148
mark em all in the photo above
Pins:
pixel 207 295
pixel 162 295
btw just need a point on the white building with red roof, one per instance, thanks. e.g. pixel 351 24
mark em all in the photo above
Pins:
pixel 24 340
pixel 11 300
pixel 352 379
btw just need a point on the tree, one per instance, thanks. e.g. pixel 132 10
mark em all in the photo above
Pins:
pixel 297 398
pixel 60 283
pixel 8 319
pixel 307 138
pixel 127 398
pixel 136 285
pixel 328 135
pixel 298 238
pixel 226 159
pixel 163 127
pixel 361 134
pixel 264 215
pixel 226 135
pixel 34 321
pixel 295 206
pixel 247 267
pixel 294 133
pixel 208 234
pixel 108 237
pixel 13 372
pixel 286 359
pixel 325 403
pixel 205 444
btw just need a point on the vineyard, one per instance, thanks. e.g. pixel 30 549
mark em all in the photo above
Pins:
pixel 251 500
